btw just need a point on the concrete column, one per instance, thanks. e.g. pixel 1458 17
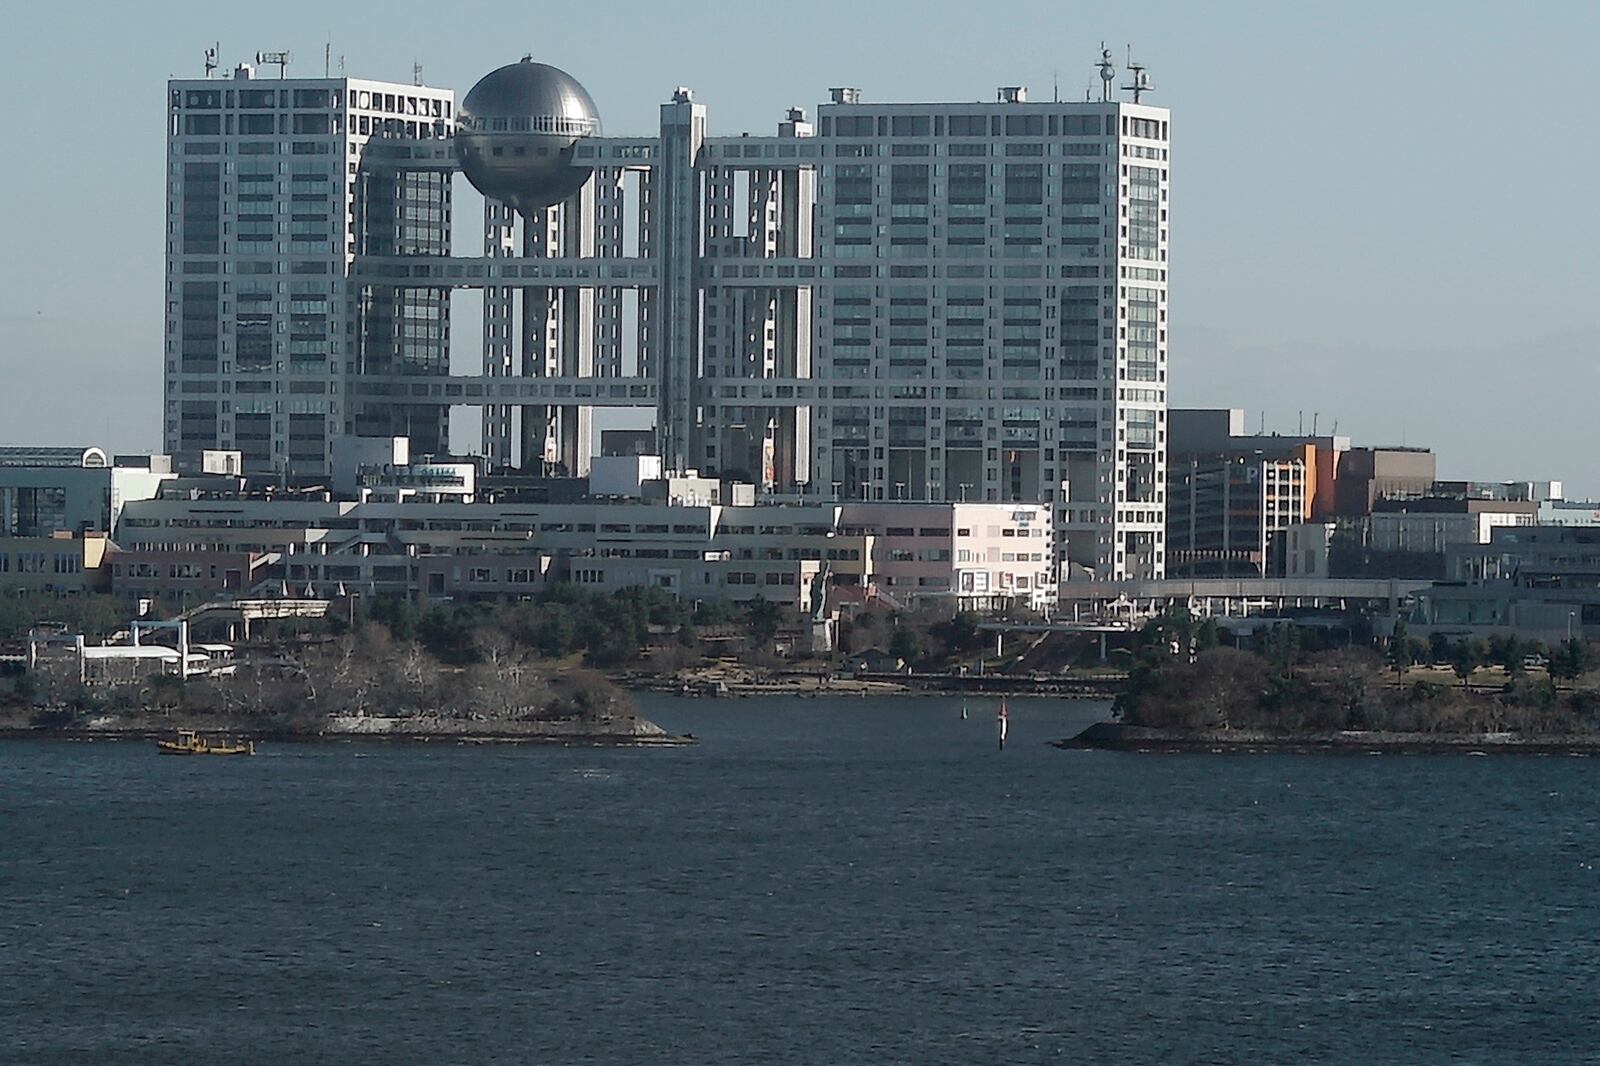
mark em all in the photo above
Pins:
pixel 499 332
pixel 683 130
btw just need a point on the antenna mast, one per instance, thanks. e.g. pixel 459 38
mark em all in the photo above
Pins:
pixel 211 58
pixel 416 73
pixel 278 59
pixel 1138 78
pixel 1108 73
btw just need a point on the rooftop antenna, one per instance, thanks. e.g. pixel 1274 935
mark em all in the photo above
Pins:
pixel 278 59
pixel 1138 79
pixel 1055 86
pixel 1108 73
pixel 341 66
pixel 416 73
pixel 211 58
pixel 327 58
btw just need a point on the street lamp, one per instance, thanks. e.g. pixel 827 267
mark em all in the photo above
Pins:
pixel 1570 616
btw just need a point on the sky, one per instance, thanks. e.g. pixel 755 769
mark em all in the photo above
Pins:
pixel 1383 215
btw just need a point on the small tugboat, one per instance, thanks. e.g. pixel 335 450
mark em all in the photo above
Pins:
pixel 191 743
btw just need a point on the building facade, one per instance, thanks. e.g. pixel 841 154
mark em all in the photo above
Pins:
pixel 1540 582
pixel 271 198
pixel 896 301
pixel 1227 514
pixel 45 491
pixel 59 564
pixel 906 554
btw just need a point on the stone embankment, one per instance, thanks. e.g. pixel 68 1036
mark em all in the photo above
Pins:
pixel 1114 736
pixel 627 729
pixel 724 680
pixel 620 730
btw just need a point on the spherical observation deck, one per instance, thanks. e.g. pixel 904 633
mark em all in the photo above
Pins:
pixel 516 132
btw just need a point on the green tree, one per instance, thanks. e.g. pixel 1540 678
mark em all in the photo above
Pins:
pixel 1400 653
pixel 610 631
pixel 398 614
pixel 1167 634
pixel 959 634
pixel 1465 657
pixel 763 618
pixel 1282 647
pixel 906 644
pixel 712 612
pixel 1439 649
pixel 1571 660
pixel 552 631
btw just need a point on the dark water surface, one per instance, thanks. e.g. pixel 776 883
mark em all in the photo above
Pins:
pixel 817 882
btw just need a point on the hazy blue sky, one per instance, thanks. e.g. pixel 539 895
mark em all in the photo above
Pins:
pixel 1384 213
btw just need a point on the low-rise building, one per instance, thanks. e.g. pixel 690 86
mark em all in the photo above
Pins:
pixel 56 565
pixel 1227 512
pixel 1306 548
pixel 1409 537
pixel 184 576
pixel 1221 431
pixel 1540 582
pixel 966 554
pixel 1367 475
pixel 383 468
pixel 1569 513
pixel 75 490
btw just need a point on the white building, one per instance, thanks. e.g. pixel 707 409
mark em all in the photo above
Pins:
pixel 44 491
pixel 1433 532
pixel 977 555
pixel 898 301
pixel 271 198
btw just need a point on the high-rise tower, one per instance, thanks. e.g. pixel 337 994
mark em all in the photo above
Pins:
pixel 898 301
pixel 273 192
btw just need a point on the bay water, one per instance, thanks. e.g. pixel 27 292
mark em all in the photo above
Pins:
pixel 817 881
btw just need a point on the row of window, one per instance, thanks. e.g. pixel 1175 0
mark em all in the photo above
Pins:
pixel 40 563
pixel 1031 124
pixel 257 98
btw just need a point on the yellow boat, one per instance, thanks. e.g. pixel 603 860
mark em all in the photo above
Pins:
pixel 191 743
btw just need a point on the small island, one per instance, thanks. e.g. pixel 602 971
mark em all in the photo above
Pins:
pixel 483 676
pixel 1186 692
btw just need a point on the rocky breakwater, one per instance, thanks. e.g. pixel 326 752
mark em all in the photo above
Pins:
pixel 1117 736
pixel 622 729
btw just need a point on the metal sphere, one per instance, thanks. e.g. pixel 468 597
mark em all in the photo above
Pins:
pixel 516 132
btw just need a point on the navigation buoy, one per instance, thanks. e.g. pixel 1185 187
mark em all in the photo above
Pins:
pixel 1000 724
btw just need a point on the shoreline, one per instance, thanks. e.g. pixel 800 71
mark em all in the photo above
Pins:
pixel 1114 736
pixel 132 736
pixel 413 729
pixel 733 686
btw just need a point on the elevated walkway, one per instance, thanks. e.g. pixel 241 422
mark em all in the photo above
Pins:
pixel 244 612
